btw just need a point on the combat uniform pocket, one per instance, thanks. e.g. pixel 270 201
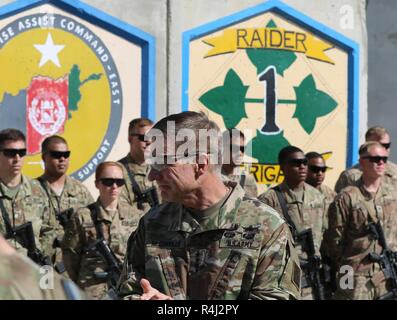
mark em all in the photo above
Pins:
pixel 292 274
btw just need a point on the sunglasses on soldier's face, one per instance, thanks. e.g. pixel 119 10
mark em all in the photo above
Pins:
pixel 11 153
pixel 59 154
pixel 376 159
pixel 141 137
pixel 317 169
pixel 297 162
pixel 108 182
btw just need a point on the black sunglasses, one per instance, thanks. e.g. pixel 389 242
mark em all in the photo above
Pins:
pixel 59 154
pixel 386 145
pixel 317 169
pixel 237 147
pixel 376 159
pixel 108 182
pixel 11 153
pixel 141 137
pixel 297 162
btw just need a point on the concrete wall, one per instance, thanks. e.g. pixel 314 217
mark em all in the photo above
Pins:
pixel 382 67
pixel 166 20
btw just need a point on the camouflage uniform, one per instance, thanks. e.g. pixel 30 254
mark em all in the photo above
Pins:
pixel 74 196
pixel 81 260
pixel 351 175
pixel 351 242
pixel 140 173
pixel 305 215
pixel 27 205
pixel 247 181
pixel 242 250
pixel 20 279
pixel 329 196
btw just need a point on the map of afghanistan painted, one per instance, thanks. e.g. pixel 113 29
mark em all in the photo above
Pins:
pixel 59 77
pixel 43 108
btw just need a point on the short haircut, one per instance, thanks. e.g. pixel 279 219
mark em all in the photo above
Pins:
pixel 101 167
pixel 375 132
pixel 364 148
pixel 138 123
pixel 11 135
pixel 51 139
pixel 206 133
pixel 313 155
pixel 284 153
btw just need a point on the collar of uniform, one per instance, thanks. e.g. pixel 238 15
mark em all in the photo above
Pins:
pixel 225 219
pixel 25 189
pixel 67 189
pixel 368 195
pixel 135 167
pixel 285 188
pixel 181 220
pixel 391 169
pixel 103 214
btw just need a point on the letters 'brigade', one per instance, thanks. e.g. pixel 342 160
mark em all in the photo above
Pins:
pixel 63 194
pixel 303 208
pixel 351 175
pixel 352 237
pixel 234 144
pixel 208 241
pixel 96 237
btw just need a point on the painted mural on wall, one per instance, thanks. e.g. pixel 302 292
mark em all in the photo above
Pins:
pixel 278 82
pixel 61 75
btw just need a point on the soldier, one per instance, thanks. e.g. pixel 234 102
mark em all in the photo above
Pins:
pixel 234 144
pixel 301 205
pixel 208 241
pixel 351 215
pixel 351 175
pixel 107 219
pixel 21 199
pixel 138 191
pixel 21 279
pixel 315 177
pixel 63 193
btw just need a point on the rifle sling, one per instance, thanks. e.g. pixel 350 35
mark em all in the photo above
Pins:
pixel 42 183
pixel 284 209
pixel 94 216
pixel 135 187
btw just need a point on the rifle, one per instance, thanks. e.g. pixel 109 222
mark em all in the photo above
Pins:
pixel 149 195
pixel 312 266
pixel 387 260
pixel 64 217
pixel 113 271
pixel 24 235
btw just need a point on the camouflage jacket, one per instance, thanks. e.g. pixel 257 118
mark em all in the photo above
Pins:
pixel 79 255
pixel 348 236
pixel 27 205
pixel 329 196
pixel 140 173
pixel 247 181
pixel 21 279
pixel 243 251
pixel 350 176
pixel 74 196
pixel 304 215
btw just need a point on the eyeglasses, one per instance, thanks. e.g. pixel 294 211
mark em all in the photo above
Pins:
pixel 376 159
pixel 237 147
pixel 108 182
pixel 59 154
pixel 11 153
pixel 297 162
pixel 161 162
pixel 317 169
pixel 386 145
pixel 141 137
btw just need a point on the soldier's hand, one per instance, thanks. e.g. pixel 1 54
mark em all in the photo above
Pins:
pixel 150 293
